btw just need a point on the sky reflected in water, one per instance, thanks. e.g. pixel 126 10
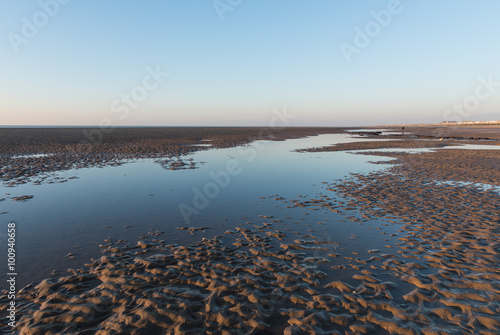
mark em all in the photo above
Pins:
pixel 77 215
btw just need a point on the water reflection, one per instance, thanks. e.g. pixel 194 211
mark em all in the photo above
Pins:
pixel 127 201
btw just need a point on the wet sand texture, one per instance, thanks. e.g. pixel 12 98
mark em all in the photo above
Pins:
pixel 204 288
pixel 365 145
pixel 450 165
pixel 451 250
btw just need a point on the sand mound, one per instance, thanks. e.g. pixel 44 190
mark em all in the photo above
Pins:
pixel 204 288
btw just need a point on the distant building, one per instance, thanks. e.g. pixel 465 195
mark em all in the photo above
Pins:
pixel 471 123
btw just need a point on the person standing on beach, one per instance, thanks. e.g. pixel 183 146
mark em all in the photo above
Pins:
pixel 402 130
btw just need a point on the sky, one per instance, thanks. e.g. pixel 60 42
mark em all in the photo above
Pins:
pixel 239 62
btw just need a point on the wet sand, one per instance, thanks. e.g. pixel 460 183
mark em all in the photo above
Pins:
pixel 416 138
pixel 489 132
pixel 388 144
pixel 440 277
pixel 440 131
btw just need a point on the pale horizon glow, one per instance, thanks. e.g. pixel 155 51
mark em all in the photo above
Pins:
pixel 176 63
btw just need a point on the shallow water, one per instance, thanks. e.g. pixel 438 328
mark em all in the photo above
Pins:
pixel 382 131
pixel 127 201
pixel 32 156
pixel 475 147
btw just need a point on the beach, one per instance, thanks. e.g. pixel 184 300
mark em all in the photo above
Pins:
pixel 403 240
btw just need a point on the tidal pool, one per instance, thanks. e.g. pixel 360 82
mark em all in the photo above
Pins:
pixel 232 186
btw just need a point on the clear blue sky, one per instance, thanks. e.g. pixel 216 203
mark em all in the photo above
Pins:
pixel 263 55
